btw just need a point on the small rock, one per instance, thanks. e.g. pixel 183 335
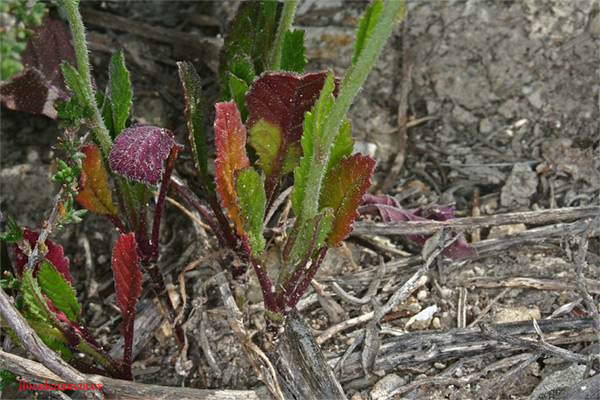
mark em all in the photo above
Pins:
pixel 506 230
pixel 365 148
pixel 463 116
pixel 33 156
pixel 535 99
pixel 520 186
pixel 516 314
pixel 486 126
pixel 386 385
pixel 551 386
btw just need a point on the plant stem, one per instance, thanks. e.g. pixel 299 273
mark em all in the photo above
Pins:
pixel 158 285
pixel 287 17
pixel 83 67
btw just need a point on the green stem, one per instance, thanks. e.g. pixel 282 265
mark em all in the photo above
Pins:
pixel 287 17
pixel 83 67
pixel 95 120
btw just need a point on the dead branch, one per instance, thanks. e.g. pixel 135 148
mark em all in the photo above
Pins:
pixel 472 223
pixel 31 341
pixel 529 282
pixel 32 371
pixel 422 347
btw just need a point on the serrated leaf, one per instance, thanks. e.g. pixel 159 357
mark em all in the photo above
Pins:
pixel 128 281
pixel 365 27
pixel 73 80
pixel 41 83
pixel 55 255
pixel 292 51
pixel 252 201
pixel 249 35
pixel 139 152
pixel 312 125
pixel 230 140
pixel 94 193
pixel 239 88
pixel 277 102
pixel 194 115
pixel 59 291
pixel 120 91
pixel 343 144
pixel 343 191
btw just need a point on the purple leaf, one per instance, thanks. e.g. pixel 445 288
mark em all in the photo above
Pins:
pixel 390 210
pixel 41 83
pixel 139 152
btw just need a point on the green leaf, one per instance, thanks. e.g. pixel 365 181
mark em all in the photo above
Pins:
pixel 15 234
pixel 120 91
pixel 311 138
pixel 106 111
pixel 343 144
pixel 75 81
pixel 292 53
pixel 249 35
pixel 238 88
pixel 59 291
pixel 311 237
pixel 194 116
pixel 32 293
pixel 366 27
pixel 7 378
pixel 252 200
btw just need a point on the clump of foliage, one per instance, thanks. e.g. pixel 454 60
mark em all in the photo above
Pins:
pixel 276 124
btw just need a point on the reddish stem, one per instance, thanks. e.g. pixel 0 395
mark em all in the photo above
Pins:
pixel 312 271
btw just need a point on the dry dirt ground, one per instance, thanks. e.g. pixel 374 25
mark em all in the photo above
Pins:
pixel 502 101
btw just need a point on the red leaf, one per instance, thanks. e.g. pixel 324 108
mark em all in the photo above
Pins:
pixel 231 156
pixel 36 89
pixel 139 152
pixel 277 102
pixel 390 210
pixel 94 194
pixel 55 255
pixel 128 283
pixel 343 190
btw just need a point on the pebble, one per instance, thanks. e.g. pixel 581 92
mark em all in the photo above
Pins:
pixel 386 385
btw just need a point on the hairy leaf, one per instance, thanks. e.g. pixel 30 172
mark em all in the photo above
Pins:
pixel 310 237
pixel 139 152
pixel 59 291
pixel 194 115
pixel 55 255
pixel 94 193
pixel 252 200
pixel 366 27
pixel 32 296
pixel 312 125
pixel 41 83
pixel 343 144
pixel 230 140
pixel 292 52
pixel 128 281
pixel 241 75
pixel 74 81
pixel 249 35
pixel 277 102
pixel 120 91
pixel 390 210
pixel 343 191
